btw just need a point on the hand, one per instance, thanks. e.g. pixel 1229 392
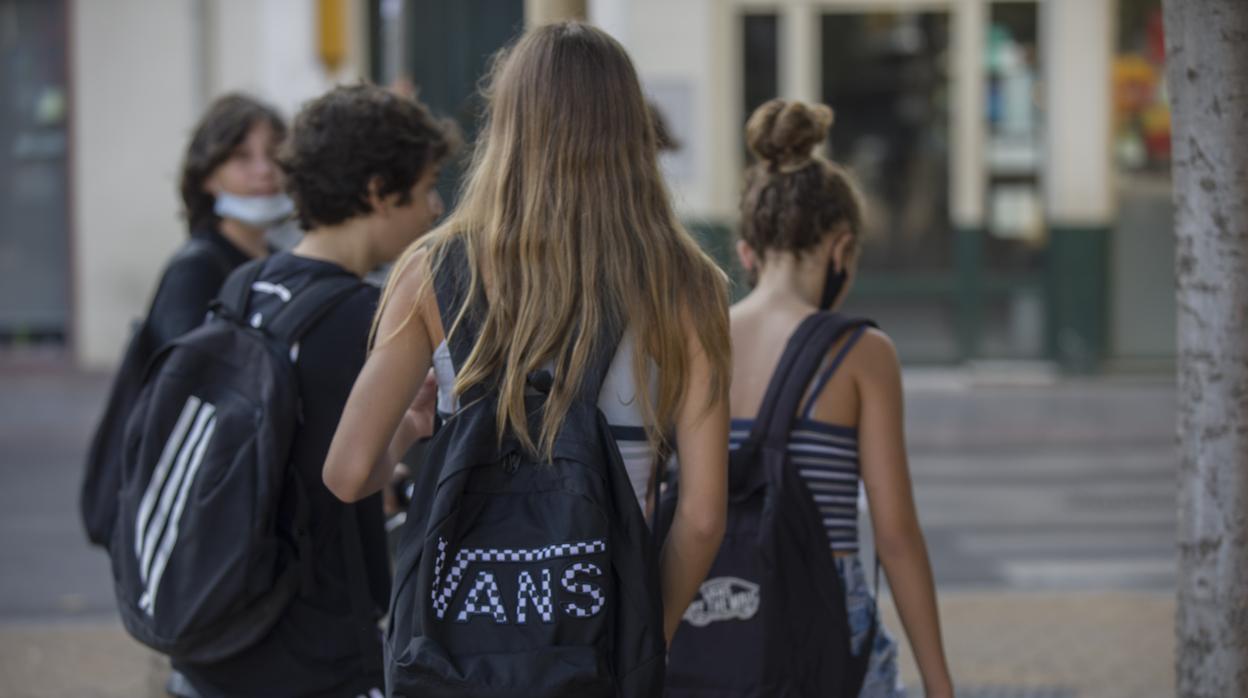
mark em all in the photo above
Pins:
pixel 418 420
pixel 389 496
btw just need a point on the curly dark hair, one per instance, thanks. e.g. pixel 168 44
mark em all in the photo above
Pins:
pixel 352 136
pixel 220 130
pixel 792 197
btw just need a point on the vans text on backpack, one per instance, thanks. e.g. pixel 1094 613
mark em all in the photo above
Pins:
pixel 202 569
pixel 771 619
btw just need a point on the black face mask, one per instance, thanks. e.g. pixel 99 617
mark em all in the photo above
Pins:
pixel 833 284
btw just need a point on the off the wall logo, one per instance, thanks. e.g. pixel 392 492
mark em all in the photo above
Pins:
pixel 721 599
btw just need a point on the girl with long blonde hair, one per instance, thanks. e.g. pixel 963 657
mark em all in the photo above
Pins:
pixel 566 227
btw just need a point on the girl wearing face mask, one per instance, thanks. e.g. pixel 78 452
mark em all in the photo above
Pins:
pixel 801 219
pixel 231 191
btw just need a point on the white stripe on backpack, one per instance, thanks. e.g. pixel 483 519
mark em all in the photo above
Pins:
pixel 169 488
pixel 171 533
pixel 162 472
pixel 165 497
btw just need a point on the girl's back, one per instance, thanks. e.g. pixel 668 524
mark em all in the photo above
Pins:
pixel 800 224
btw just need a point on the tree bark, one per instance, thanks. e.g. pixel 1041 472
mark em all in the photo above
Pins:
pixel 1207 77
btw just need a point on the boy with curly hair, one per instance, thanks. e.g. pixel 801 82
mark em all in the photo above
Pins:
pixel 361 164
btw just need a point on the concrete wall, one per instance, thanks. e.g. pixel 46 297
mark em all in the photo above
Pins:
pixel 142 71
pixel 268 48
pixel 677 46
pixel 132 82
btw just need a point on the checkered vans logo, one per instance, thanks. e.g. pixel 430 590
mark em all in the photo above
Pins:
pixel 484 597
pixel 585 569
pixel 540 598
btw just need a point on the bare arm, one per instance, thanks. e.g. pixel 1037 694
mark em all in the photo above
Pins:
pixel 380 421
pixel 898 538
pixel 698 524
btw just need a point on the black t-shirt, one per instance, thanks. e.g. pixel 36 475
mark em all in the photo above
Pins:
pixel 315 650
pixel 189 283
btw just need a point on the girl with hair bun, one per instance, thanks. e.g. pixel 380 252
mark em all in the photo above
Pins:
pixel 801 222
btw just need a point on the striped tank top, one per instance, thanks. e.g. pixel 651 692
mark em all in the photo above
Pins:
pixel 826 458
pixel 618 402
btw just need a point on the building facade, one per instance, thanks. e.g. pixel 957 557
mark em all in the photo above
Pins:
pixel 1011 153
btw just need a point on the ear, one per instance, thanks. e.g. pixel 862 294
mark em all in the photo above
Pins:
pixel 745 253
pixel 842 248
pixel 379 203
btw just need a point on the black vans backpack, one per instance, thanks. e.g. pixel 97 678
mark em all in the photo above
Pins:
pixel 770 620
pixel 516 575
pixel 97 497
pixel 201 567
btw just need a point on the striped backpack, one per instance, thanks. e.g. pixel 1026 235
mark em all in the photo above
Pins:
pixel 202 566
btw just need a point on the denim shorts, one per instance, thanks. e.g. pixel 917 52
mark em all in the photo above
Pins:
pixel 883 679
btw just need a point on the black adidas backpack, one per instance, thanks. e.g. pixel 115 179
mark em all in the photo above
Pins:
pixel 97 496
pixel 770 621
pixel 201 568
pixel 519 576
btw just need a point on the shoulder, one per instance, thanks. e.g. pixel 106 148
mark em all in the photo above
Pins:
pixel 357 306
pixel 361 303
pixel 338 342
pixel 411 288
pixel 412 275
pixel 874 358
pixel 191 271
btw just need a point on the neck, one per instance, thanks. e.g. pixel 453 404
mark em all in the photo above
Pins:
pixel 246 238
pixel 788 277
pixel 346 245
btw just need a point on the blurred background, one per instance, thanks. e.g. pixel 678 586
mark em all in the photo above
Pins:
pixel 1015 156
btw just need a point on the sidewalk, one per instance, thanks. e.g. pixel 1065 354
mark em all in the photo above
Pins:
pixel 1053 645
pixel 1000 645
pixel 79 659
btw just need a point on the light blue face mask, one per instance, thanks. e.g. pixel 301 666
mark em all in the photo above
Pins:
pixel 255 211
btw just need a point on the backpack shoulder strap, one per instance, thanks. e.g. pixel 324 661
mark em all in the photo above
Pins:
pixel 236 291
pixel 202 247
pixel 780 374
pixel 450 284
pixel 781 412
pixel 309 305
pixel 831 369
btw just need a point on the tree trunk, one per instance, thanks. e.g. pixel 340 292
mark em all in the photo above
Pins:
pixel 1207 71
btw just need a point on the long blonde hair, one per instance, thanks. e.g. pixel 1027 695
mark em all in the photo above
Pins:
pixel 567 225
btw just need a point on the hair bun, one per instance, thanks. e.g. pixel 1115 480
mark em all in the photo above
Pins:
pixel 784 134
